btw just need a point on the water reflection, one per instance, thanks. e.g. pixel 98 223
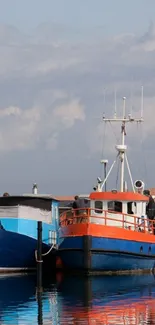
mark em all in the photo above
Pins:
pixel 121 300
pixel 20 303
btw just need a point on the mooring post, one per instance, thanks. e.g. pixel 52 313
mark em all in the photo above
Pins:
pixel 39 247
pixel 40 307
pixel 87 245
pixel 39 256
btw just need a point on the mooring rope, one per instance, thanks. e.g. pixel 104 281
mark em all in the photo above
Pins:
pixel 48 250
pixel 44 254
pixel 41 261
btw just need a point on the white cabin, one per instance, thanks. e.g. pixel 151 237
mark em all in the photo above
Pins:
pixel 118 209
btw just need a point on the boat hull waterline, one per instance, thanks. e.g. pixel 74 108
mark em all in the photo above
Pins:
pixel 17 252
pixel 96 253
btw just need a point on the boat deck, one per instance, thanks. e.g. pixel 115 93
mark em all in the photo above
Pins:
pixel 108 218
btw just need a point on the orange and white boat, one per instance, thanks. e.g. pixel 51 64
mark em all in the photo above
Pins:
pixel 113 233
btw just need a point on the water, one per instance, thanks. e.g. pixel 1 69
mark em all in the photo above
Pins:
pixel 119 300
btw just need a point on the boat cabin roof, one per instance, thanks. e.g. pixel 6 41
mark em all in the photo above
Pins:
pixel 38 196
pixel 118 196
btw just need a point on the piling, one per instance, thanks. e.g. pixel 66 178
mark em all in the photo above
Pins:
pixel 39 256
pixel 40 308
pixel 39 247
pixel 87 244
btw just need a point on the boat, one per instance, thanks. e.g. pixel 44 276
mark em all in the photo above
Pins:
pixel 112 234
pixel 18 233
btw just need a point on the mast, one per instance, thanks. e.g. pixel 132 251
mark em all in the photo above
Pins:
pixel 122 152
pixel 121 148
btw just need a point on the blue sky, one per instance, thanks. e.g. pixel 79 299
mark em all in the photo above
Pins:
pixel 56 58
pixel 114 16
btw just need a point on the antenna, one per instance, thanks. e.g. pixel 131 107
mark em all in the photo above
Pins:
pixel 124 108
pixel 104 101
pixel 122 147
pixel 142 101
pixel 115 107
pixel 131 96
pixel 104 96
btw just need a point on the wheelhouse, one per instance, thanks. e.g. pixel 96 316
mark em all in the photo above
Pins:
pixel 113 208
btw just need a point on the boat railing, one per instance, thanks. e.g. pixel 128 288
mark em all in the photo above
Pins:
pixel 107 218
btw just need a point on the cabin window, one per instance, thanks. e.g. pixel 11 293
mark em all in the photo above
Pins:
pixel 98 206
pixel 115 206
pixel 130 208
pixel 111 205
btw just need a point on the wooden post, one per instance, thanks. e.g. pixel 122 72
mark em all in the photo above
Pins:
pixel 39 247
pixel 40 308
pixel 87 245
pixel 39 256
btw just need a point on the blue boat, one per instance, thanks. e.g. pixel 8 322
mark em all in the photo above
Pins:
pixel 18 235
pixel 113 232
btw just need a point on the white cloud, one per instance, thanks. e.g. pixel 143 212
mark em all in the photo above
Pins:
pixel 67 114
pixel 12 110
pixel 52 89
pixel 57 82
pixel 22 129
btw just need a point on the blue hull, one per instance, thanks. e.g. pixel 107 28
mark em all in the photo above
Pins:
pixel 17 252
pixel 99 254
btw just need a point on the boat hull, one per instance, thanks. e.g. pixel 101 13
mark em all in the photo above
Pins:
pixel 100 254
pixel 17 252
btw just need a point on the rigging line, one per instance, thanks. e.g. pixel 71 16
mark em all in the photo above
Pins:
pixel 118 169
pixel 143 151
pixel 103 142
pixel 129 171
pixel 103 148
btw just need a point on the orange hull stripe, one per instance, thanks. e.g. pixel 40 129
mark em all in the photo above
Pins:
pixel 106 232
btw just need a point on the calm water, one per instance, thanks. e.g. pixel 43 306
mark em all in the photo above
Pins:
pixel 96 300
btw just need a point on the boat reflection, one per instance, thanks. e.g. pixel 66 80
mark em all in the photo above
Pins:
pixel 21 303
pixel 119 300
pixel 122 300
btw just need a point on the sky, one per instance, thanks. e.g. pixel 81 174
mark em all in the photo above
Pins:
pixel 60 62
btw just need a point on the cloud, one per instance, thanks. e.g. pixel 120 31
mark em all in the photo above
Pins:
pixel 68 113
pixel 52 89
pixel 22 129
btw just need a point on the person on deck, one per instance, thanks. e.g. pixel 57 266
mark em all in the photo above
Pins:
pixel 6 194
pixel 79 207
pixel 76 205
pixel 150 211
